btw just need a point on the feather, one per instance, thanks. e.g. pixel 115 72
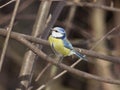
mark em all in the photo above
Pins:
pixel 80 55
pixel 67 44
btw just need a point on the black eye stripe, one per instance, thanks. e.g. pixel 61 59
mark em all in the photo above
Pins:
pixel 55 30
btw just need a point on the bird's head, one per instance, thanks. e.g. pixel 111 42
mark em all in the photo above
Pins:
pixel 58 32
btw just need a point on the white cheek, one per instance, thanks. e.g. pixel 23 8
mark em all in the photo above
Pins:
pixel 56 34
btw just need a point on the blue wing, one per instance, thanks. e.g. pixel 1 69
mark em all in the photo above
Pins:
pixel 81 56
pixel 67 44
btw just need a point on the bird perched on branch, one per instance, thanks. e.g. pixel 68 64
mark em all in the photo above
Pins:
pixel 60 44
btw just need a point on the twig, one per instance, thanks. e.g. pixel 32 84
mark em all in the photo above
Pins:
pixel 63 66
pixel 7 3
pixel 57 8
pixel 24 5
pixel 55 12
pixel 105 36
pixel 70 18
pixel 13 35
pixel 48 65
pixel 38 52
pixel 41 54
pixel 41 73
pixel 44 42
pixel 29 58
pixel 8 33
pixel 92 5
pixel 59 75
pixel 100 56
pixel 63 72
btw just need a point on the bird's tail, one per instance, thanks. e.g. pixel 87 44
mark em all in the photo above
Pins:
pixel 81 56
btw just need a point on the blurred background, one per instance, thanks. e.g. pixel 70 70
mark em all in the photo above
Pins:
pixel 84 25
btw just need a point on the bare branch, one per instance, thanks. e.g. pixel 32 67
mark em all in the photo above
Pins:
pixel 63 66
pixel 7 3
pixel 8 33
pixel 24 5
pixel 13 35
pixel 92 5
pixel 58 76
pixel 105 36
pixel 83 51
pixel 101 56
pixel 41 54
pixel 41 73
pixel 63 72
pixel 29 58
pixel 56 10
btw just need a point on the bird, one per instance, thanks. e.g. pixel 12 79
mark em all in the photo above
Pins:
pixel 61 46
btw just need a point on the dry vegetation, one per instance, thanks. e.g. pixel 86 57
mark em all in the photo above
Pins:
pixel 27 61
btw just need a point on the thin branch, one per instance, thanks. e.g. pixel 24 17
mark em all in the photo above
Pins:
pixel 105 36
pixel 48 65
pixel 63 66
pixel 8 33
pixel 29 57
pixel 69 18
pixel 41 54
pixel 7 3
pixel 58 76
pixel 63 72
pixel 100 56
pixel 41 73
pixel 55 12
pixel 83 51
pixel 92 5
pixel 23 6
pixel 13 35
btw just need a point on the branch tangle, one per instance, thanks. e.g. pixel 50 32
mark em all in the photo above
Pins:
pixel 63 66
pixel 91 53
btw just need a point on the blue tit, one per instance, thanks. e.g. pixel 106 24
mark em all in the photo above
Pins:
pixel 60 44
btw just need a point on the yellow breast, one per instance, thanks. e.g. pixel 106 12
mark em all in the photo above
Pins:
pixel 58 46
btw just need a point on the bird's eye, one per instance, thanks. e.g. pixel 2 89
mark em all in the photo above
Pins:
pixel 55 30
